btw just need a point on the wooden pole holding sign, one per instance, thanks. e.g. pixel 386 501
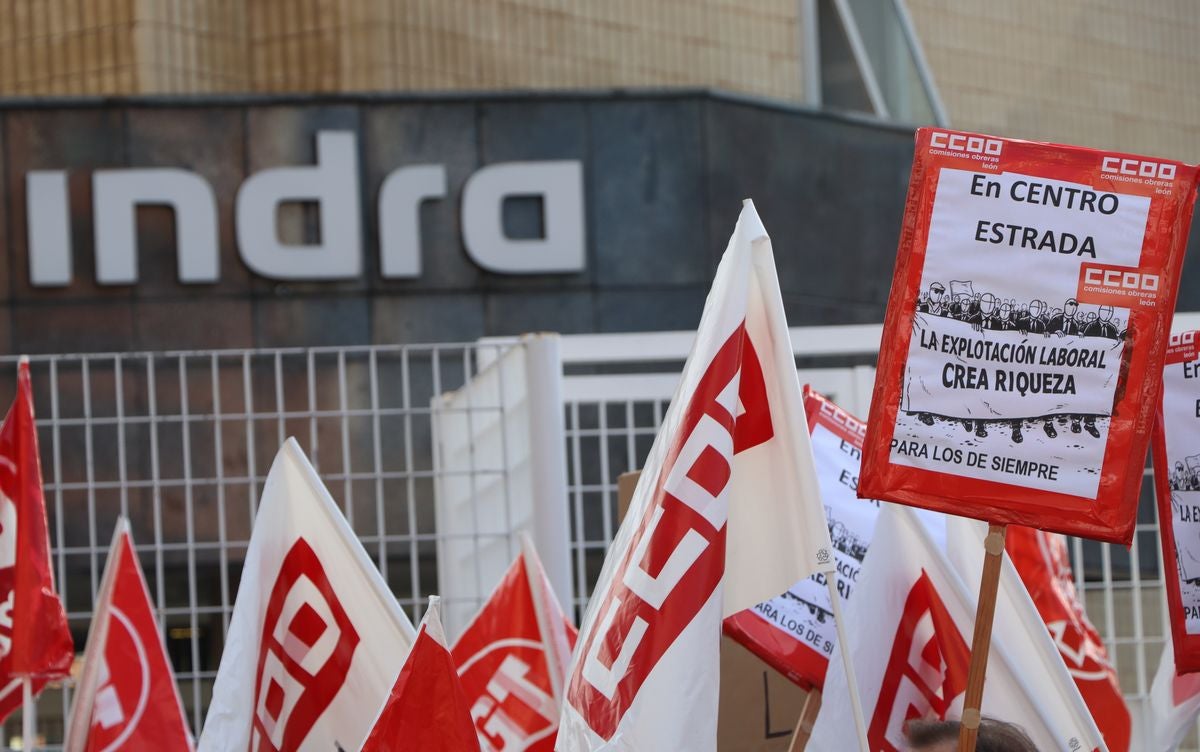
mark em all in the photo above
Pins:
pixel 808 717
pixel 981 642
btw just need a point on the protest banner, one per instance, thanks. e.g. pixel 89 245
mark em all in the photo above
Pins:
pixel 35 639
pixel 316 639
pixel 1025 330
pixel 794 633
pixel 727 514
pixel 512 659
pixel 759 709
pixel 126 697
pixel 1177 487
pixel 1174 705
pixel 1044 566
pixel 908 628
pixel 427 709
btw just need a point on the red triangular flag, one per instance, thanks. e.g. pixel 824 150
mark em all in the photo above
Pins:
pixel 34 638
pixel 126 698
pixel 427 709
pixel 1042 562
pixel 512 659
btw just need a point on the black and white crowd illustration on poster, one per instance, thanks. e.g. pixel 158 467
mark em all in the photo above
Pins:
pixel 1181 431
pixel 804 613
pixel 1010 377
pixel 805 610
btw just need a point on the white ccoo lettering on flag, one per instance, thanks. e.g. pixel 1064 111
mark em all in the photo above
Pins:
pixel 726 514
pixel 316 640
pixel 909 625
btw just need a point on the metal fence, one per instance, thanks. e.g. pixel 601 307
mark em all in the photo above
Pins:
pixel 181 444
pixel 616 391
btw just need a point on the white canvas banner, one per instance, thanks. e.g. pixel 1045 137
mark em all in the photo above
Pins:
pixel 726 514
pixel 316 640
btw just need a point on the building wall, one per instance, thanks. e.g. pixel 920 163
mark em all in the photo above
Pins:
pixel 664 176
pixel 276 46
pixel 1102 73
pixel 663 180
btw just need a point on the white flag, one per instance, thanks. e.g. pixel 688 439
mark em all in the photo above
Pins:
pixel 1174 703
pixel 910 623
pixel 726 514
pixel 316 639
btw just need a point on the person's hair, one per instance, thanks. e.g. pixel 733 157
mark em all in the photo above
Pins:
pixel 994 735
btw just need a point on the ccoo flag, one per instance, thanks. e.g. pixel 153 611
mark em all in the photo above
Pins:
pixel 34 638
pixel 512 660
pixel 427 709
pixel 316 639
pixel 1041 560
pixel 1174 704
pixel 126 698
pixel 725 515
pixel 909 624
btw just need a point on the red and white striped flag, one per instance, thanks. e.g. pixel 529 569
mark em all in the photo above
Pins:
pixel 427 709
pixel 35 641
pixel 726 514
pixel 126 698
pixel 512 660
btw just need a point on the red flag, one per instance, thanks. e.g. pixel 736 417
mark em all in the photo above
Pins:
pixel 512 660
pixel 34 639
pixel 126 698
pixel 427 709
pixel 1041 560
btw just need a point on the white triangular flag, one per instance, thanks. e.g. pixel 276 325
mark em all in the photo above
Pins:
pixel 316 639
pixel 726 514
pixel 1174 703
pixel 910 623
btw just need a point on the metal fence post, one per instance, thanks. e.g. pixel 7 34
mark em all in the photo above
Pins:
pixel 548 460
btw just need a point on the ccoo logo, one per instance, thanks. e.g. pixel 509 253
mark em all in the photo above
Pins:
pixel 307 645
pixel 121 699
pixel 514 712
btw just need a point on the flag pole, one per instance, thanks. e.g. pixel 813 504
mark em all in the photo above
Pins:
pixel 808 716
pixel 835 601
pixel 981 642
pixel 28 727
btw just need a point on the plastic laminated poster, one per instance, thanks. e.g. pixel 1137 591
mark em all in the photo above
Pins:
pixel 1177 486
pixel 794 633
pixel 1025 332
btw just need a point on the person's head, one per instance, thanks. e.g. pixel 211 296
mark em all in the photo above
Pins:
pixel 1071 306
pixel 942 736
pixel 1037 308
pixel 936 290
pixel 987 303
pixel 1106 312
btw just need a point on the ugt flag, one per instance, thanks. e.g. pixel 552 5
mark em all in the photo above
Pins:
pixel 1040 559
pixel 909 624
pixel 512 660
pixel 427 709
pixel 34 638
pixel 316 639
pixel 126 698
pixel 1174 703
pixel 725 515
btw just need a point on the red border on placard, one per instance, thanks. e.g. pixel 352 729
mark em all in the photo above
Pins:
pixel 1187 647
pixel 795 659
pixel 1112 514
